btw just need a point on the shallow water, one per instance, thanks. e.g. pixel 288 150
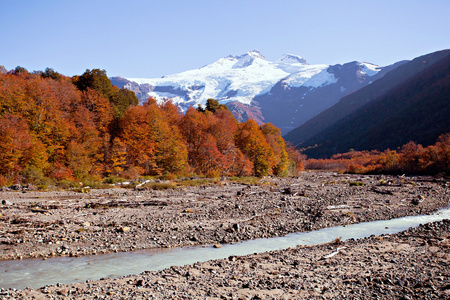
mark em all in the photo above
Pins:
pixel 35 273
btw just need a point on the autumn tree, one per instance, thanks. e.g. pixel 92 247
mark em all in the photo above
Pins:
pixel 152 144
pixel 13 95
pixel 117 158
pixel 171 151
pixel 410 160
pixel 276 142
pixel 19 149
pixel 296 160
pixel 211 143
pixel 193 125
pixel 443 150
pixel 223 127
pixel 251 141
pixel 44 116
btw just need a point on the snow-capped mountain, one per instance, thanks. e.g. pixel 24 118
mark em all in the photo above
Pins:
pixel 233 78
pixel 250 85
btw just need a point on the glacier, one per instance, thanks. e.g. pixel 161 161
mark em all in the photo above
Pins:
pixel 240 78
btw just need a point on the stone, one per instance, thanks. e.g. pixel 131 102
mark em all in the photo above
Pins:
pixel 15 187
pixel 63 292
pixel 6 202
pixel 124 229
pixel 217 246
pixel 287 191
pixel 140 282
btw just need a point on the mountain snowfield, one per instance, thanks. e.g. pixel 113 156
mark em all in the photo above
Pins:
pixel 287 92
pixel 240 78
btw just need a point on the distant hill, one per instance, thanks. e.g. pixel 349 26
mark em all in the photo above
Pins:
pixel 412 102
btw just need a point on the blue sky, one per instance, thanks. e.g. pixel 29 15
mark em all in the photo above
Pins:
pixel 146 38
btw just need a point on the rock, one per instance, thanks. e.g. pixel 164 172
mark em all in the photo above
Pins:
pixel 287 191
pixel 31 187
pixel 217 246
pixel 63 292
pixel 15 187
pixel 6 202
pixel 140 282
pixel 124 229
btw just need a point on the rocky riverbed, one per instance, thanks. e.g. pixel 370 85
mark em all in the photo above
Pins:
pixel 409 265
pixel 43 224
pixel 413 264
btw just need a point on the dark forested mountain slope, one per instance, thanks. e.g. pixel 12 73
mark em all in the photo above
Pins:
pixel 356 100
pixel 417 110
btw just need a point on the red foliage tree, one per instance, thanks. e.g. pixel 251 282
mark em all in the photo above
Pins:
pixel 19 149
pixel 251 141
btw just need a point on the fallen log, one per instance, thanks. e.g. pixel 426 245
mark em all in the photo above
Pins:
pixel 384 192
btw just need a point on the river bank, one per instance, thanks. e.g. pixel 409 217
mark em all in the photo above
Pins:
pixel 67 223
pixel 413 264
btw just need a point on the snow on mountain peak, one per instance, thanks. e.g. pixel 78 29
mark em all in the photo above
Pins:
pixel 369 69
pixel 236 78
pixel 247 59
pixel 256 54
pixel 292 59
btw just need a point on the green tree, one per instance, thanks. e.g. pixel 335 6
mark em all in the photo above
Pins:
pixel 50 73
pixel 120 99
pixel 20 70
pixel 212 105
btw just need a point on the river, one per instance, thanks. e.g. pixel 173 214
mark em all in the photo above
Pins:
pixel 35 273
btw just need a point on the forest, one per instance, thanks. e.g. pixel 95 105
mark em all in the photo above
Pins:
pixel 55 128
pixel 411 159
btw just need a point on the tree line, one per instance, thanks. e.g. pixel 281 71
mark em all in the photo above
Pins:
pixel 54 127
pixel 411 159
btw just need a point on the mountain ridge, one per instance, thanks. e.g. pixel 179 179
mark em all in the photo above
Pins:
pixel 241 81
pixel 409 103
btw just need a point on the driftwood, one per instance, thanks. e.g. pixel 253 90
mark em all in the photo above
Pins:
pixel 127 204
pixel 384 192
pixel 333 253
pixel 37 210
pixel 145 203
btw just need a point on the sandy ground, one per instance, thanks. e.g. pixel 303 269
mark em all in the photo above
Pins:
pixel 42 224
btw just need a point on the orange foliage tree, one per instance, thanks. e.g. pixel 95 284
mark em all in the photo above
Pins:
pixel 75 128
pixel 411 158
pixel 251 141
pixel 152 144
pixel 276 142
pixel 19 149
